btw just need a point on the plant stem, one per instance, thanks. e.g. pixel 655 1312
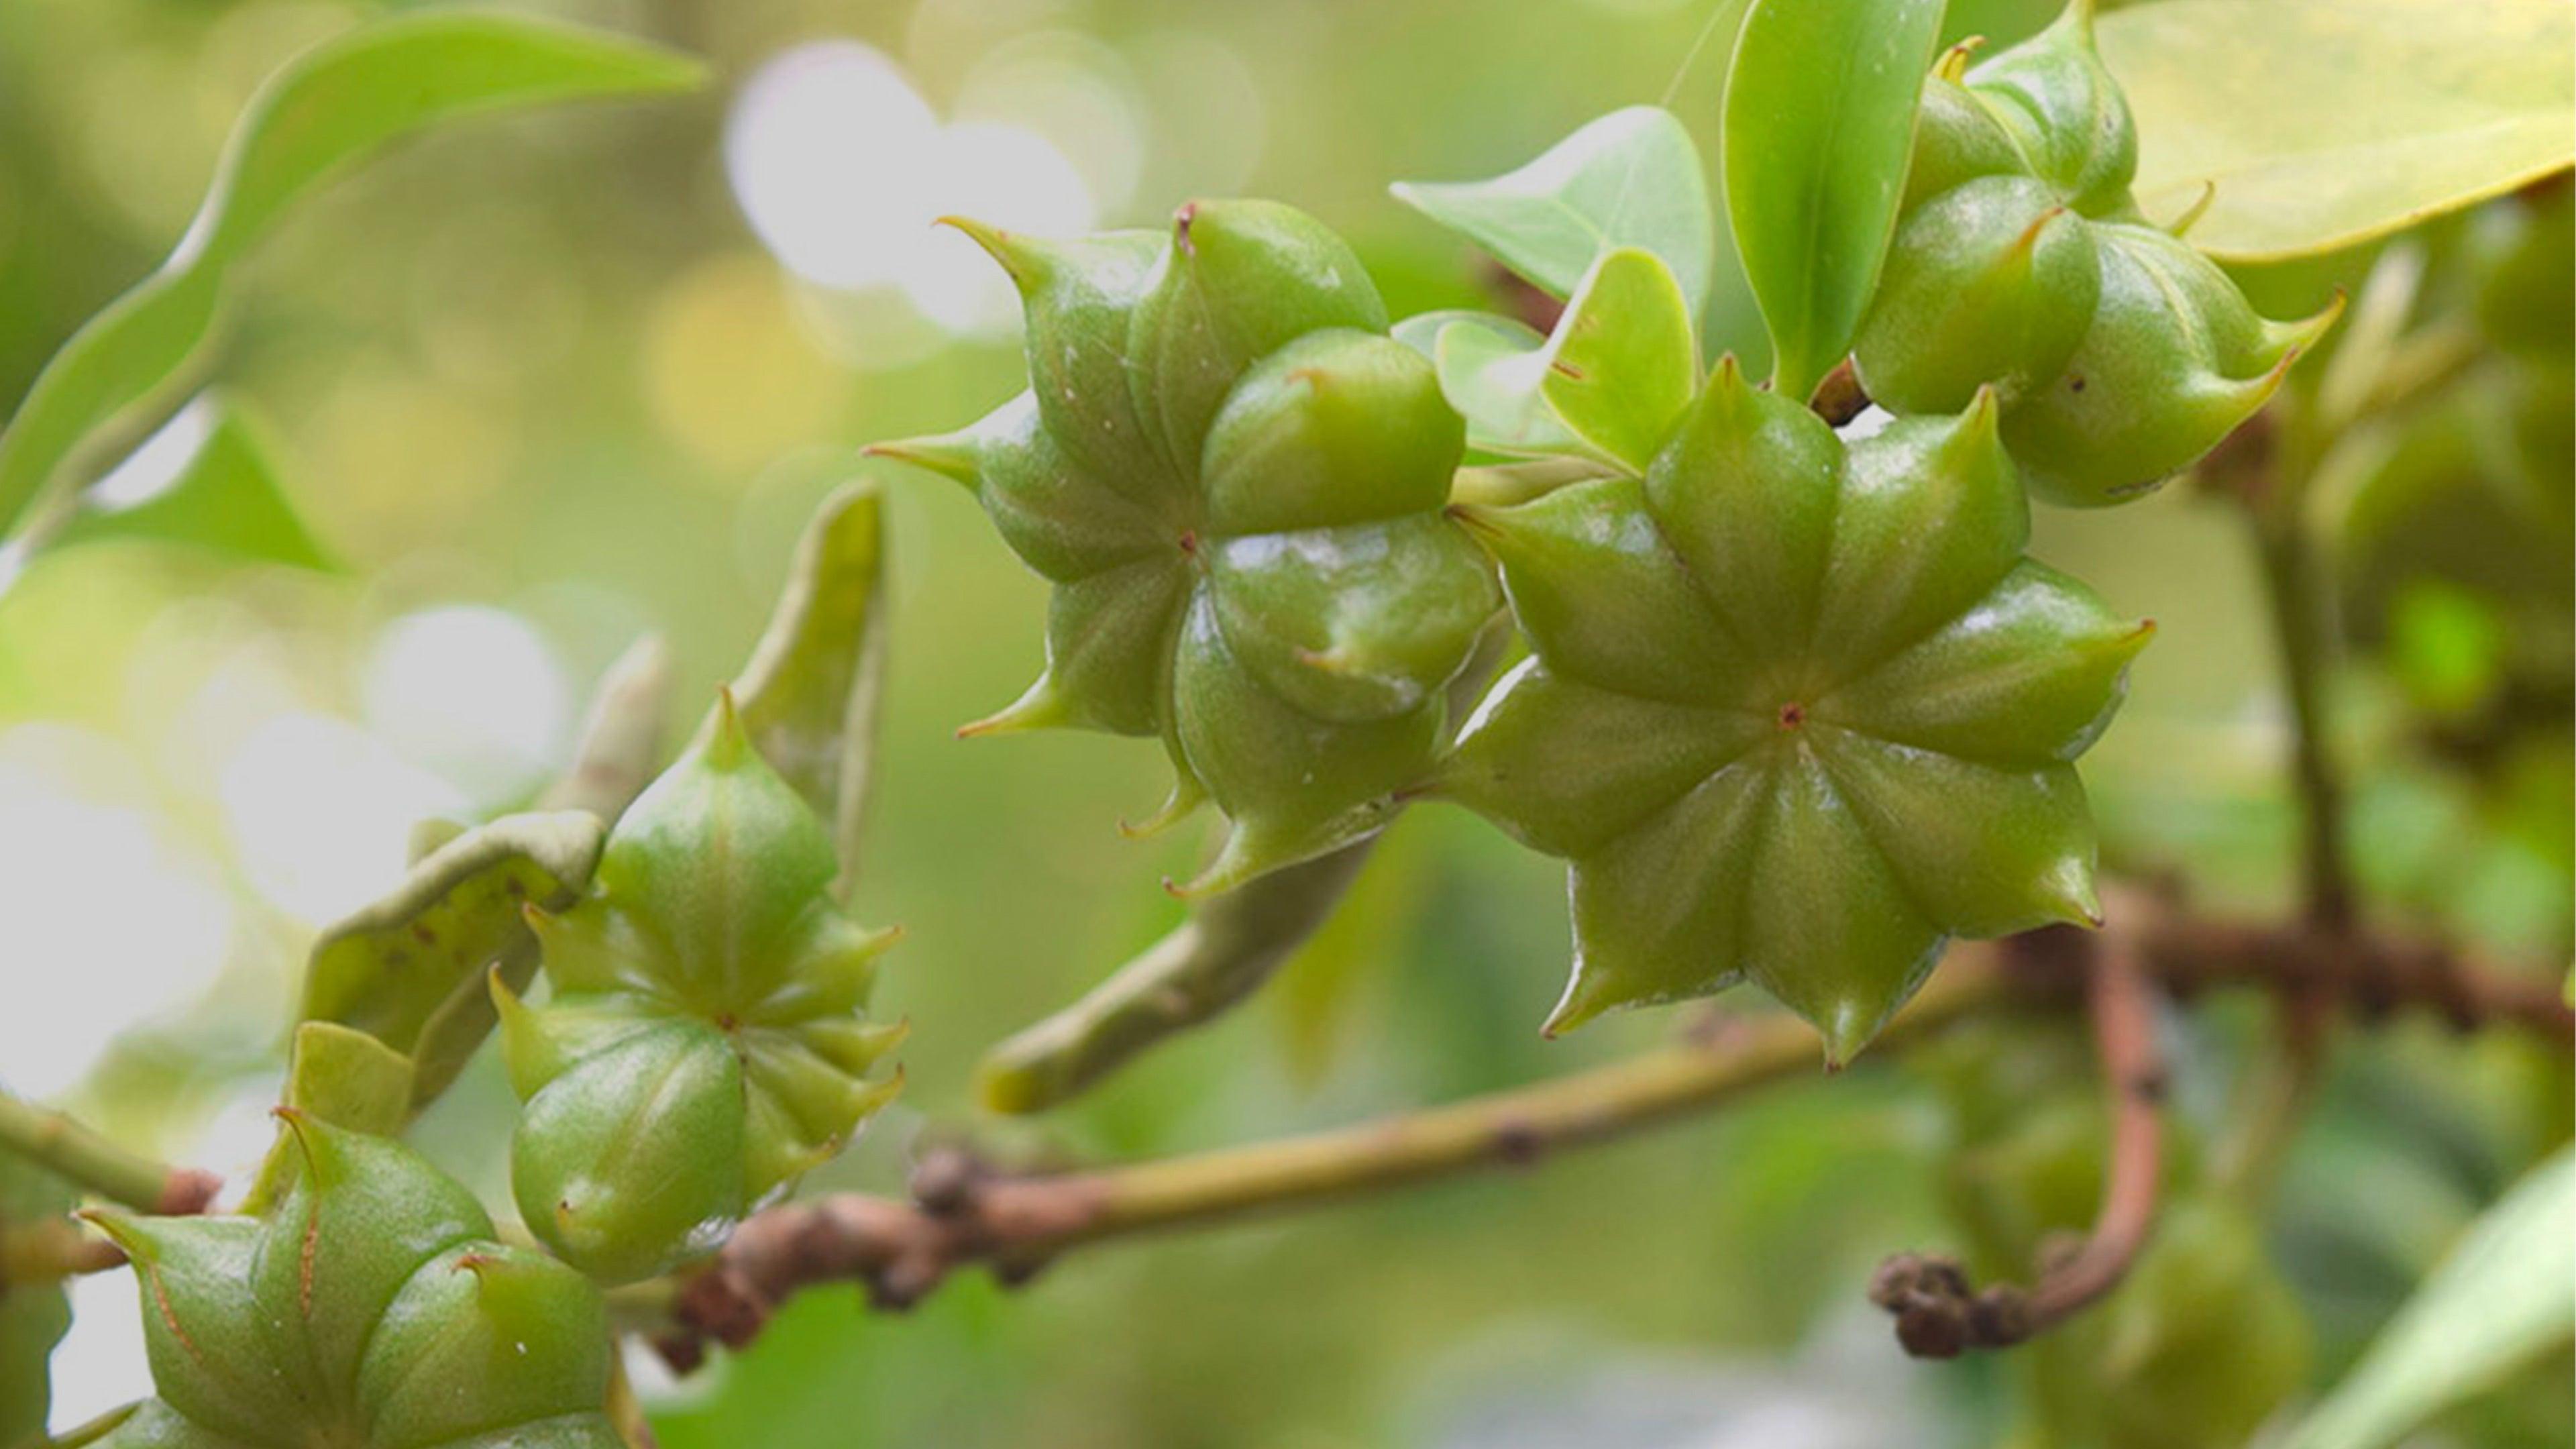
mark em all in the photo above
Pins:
pixel 94 1164
pixel 1938 1314
pixel 962 1212
pixel 1223 953
pixel 1512 1128
pixel 2293 582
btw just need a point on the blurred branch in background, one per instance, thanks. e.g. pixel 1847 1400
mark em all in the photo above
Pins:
pixel 1939 1314
pixel 95 1164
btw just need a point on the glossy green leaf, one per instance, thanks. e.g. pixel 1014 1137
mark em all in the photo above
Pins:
pixel 2497 1303
pixel 1608 384
pixel 312 120
pixel 1493 371
pixel 809 694
pixel 223 493
pixel 1819 125
pixel 349 1079
pixel 342 1076
pixel 1633 178
pixel 2313 125
pixel 1623 362
pixel 392 967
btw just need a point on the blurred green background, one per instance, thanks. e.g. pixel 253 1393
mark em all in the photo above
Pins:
pixel 544 383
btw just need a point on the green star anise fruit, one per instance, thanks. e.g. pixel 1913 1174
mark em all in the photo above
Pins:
pixel 1234 479
pixel 1798 711
pixel 2021 262
pixel 367 1308
pixel 704 1042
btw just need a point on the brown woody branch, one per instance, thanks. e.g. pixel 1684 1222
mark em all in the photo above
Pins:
pixel 962 1212
pixel 1939 1315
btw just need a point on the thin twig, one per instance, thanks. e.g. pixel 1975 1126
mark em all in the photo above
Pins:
pixel 962 1212
pixel 1938 1314
pixel 92 1163
pixel 1840 397
pixel 51 1249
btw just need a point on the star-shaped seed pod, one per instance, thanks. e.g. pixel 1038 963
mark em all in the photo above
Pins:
pixel 1798 711
pixel 2021 262
pixel 704 1042
pixel 1234 479
pixel 368 1306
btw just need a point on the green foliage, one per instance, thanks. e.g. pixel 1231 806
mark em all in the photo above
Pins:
pixel 1799 711
pixel 1819 120
pixel 1605 386
pixel 2121 354
pixel 229 498
pixel 1234 479
pixel 370 1305
pixel 2498 1302
pixel 704 1042
pixel 33 1316
pixel 2306 126
pixel 314 119
pixel 409 968
pixel 1633 178
pixel 808 696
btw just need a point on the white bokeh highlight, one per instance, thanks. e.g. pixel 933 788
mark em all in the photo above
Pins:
pixel 843 171
pixel 320 813
pixel 112 917
pixel 471 694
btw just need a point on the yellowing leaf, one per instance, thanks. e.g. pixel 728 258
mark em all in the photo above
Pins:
pixel 2314 125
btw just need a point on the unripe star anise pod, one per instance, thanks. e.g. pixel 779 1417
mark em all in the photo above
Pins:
pixel 1799 710
pixel 367 1308
pixel 2021 262
pixel 704 1042
pixel 1234 480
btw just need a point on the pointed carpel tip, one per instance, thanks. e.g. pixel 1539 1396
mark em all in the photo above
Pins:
pixel 307 1131
pixel 1184 217
pixel 1846 1034
pixel 1577 1006
pixel 2181 226
pixel 949 455
pixel 122 1228
pixel 2307 332
pixel 1038 707
pixel 1953 64
pixel 1013 253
